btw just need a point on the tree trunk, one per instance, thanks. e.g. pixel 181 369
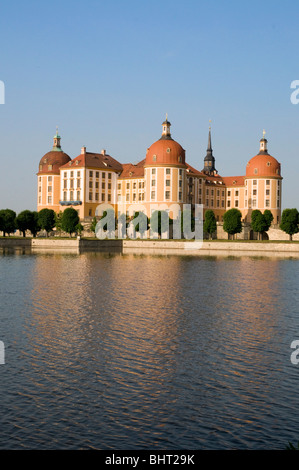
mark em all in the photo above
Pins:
pixel 291 237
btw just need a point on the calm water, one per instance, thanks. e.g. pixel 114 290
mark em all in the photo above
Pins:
pixel 111 351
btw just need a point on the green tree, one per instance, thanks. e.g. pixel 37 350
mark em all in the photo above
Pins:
pixel 27 220
pixel 210 224
pixel 7 221
pixel 159 222
pixel 58 218
pixel 46 219
pixel 93 224
pixel 69 220
pixel 35 225
pixel 232 221
pixel 258 222
pixel 79 228
pixel 143 224
pixel 105 227
pixel 290 221
pixel 269 218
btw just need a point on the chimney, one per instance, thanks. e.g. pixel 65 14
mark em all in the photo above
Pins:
pixel 103 152
pixel 83 150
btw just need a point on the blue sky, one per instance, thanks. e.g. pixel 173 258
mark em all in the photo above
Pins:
pixel 107 72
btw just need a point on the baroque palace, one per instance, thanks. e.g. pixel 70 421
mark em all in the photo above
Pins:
pixel 163 177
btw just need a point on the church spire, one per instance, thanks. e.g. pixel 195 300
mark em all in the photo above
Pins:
pixel 209 161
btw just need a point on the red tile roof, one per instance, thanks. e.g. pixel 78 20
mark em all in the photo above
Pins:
pixel 234 180
pixel 133 171
pixel 94 160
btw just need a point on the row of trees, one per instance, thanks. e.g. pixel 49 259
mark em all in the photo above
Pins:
pixel 260 222
pixel 46 219
pixel 69 222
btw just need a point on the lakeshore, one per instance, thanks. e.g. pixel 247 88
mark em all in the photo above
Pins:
pixel 158 246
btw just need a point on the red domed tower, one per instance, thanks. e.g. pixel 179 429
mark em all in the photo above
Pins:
pixel 165 170
pixel 48 176
pixel 263 182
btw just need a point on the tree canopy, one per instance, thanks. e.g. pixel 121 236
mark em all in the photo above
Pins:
pixel 7 221
pixel 232 221
pixel 27 220
pixel 210 224
pixel 290 222
pixel 70 220
pixel 46 219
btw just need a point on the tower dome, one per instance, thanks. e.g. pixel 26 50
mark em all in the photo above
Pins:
pixel 165 151
pixel 53 160
pixel 263 164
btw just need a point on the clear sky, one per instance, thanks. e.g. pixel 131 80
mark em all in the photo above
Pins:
pixel 107 72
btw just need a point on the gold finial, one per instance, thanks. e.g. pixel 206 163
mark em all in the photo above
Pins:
pixel 166 116
pixel 210 124
pixel 264 132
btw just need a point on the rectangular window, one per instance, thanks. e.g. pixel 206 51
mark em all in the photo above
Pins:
pixel 253 202
pixel 109 185
pixel 267 192
pixel 236 192
pixel 97 196
pixel 49 199
pixel 277 202
pixel 236 203
pixel 103 196
pixel 72 174
pixel 254 192
pixel 71 195
pixel 78 183
pixel 167 171
pixel 103 185
pixel 134 185
pixel 71 183
pixel 64 195
pixel 119 186
pixel 153 171
pixel 267 182
pixel 127 197
pixel 128 185
pixel 103 175
pixel 167 182
pixel 97 185
pixel 228 203
pixel 49 189
pixel 153 182
pixel 109 176
pixel 49 178
pixel 109 197
pixel 78 174
pixel 254 182
pixel 64 184
pixel 222 203
pixel 97 174
pixel 78 195
pixel 134 197
pixel 90 174
pixel 90 184
pixel 228 193
pixel 167 195
pixel 153 194
pixel 90 196
pixel 267 203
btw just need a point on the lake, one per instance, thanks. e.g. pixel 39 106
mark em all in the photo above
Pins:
pixel 114 351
